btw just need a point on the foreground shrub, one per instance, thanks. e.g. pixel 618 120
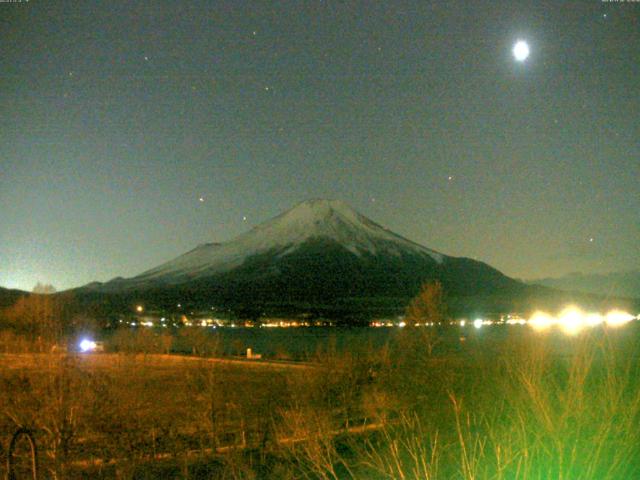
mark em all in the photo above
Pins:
pixel 522 413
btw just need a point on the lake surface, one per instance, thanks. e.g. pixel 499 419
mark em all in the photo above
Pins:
pixel 301 343
pixel 304 343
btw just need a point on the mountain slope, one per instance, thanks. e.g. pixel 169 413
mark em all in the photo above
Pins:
pixel 331 220
pixel 320 253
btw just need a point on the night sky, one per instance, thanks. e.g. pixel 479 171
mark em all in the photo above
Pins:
pixel 133 131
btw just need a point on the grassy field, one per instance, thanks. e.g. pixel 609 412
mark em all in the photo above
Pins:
pixel 507 406
pixel 111 410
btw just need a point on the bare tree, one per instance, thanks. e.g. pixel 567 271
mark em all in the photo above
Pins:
pixel 40 317
pixel 44 289
pixel 428 306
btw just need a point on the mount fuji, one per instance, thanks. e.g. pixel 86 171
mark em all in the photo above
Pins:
pixel 331 221
pixel 321 254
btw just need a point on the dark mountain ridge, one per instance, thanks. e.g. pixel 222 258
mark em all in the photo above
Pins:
pixel 619 284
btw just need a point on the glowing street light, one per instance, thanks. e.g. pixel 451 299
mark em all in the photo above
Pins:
pixel 571 320
pixel 541 321
pixel 87 345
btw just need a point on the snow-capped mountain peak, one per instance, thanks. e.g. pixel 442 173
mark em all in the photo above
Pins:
pixel 331 220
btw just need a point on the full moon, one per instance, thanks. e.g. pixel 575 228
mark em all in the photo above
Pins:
pixel 521 50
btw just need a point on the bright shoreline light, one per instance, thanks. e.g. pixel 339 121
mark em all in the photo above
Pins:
pixel 594 319
pixel 573 320
pixel 541 321
pixel 616 318
pixel 87 345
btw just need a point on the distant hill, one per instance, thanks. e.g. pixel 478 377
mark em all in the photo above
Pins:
pixel 9 296
pixel 616 284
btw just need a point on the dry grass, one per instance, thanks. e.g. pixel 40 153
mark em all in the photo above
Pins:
pixel 526 407
pixel 128 408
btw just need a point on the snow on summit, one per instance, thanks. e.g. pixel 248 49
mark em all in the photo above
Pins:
pixel 332 219
pixel 312 219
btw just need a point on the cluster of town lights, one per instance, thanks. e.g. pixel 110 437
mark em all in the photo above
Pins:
pixel 572 320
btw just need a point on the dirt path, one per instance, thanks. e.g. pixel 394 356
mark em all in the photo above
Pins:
pixel 18 361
